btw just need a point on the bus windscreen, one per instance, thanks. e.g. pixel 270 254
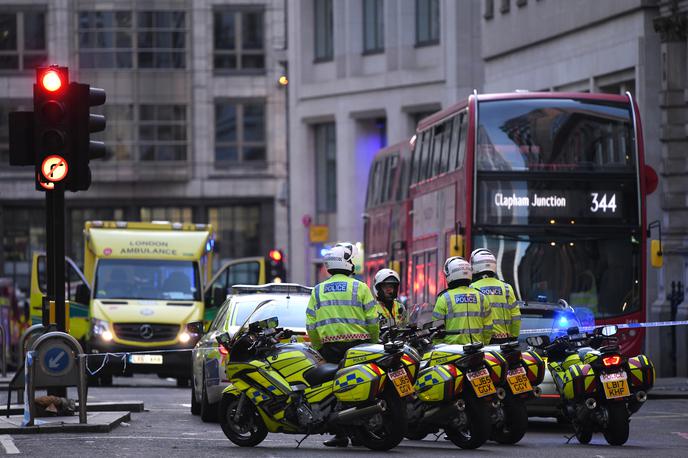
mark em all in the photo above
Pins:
pixel 553 135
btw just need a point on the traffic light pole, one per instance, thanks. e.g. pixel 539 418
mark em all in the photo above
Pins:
pixel 49 257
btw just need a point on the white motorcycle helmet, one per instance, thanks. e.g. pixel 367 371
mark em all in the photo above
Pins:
pixel 482 260
pixel 340 257
pixel 457 268
pixel 386 276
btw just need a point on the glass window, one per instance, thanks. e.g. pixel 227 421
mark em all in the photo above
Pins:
pixel 325 168
pixel 373 26
pixel 237 230
pixel 437 151
pixel 239 39
pixel 324 30
pixel 240 132
pixel 244 273
pixel 120 135
pixel 454 143
pixel 110 39
pixel 290 310
pixel 427 22
pixel 162 132
pixel 425 152
pixel 22 39
pixel 557 135
pixel 151 279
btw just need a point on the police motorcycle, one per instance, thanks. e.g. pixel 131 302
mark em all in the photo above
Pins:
pixel 454 388
pixel 600 388
pixel 288 388
pixel 524 371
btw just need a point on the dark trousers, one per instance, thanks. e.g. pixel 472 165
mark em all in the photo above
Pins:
pixel 500 340
pixel 334 352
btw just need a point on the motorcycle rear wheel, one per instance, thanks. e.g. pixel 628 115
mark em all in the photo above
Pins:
pixel 583 433
pixel 388 433
pixel 249 431
pixel 616 432
pixel 479 425
pixel 515 422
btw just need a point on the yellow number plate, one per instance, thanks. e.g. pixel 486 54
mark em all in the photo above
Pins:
pixel 482 383
pixel 518 381
pixel 615 385
pixel 402 382
pixel 145 359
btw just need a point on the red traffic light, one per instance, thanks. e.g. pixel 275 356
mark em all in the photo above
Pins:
pixel 275 255
pixel 51 81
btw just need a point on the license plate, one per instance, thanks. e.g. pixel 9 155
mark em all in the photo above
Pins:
pixel 615 385
pixel 145 359
pixel 482 383
pixel 402 382
pixel 518 381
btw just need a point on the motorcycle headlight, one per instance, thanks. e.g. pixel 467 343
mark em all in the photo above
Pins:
pixel 101 328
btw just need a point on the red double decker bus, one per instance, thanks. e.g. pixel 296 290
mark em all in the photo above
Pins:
pixel 553 184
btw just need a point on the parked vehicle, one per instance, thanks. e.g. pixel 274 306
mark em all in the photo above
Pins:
pixel 209 357
pixel 600 389
pixel 288 388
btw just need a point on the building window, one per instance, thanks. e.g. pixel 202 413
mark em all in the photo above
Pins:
pixel 22 40
pixel 237 230
pixel 240 131
pixel 427 22
pixel 325 168
pixel 120 135
pixel 324 30
pixel 172 214
pixel 162 132
pixel 521 3
pixel 489 9
pixel 238 36
pixel 373 26
pixel 78 216
pixel 6 107
pixel 505 7
pixel 110 39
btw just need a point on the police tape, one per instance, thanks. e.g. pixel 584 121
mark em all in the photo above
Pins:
pixel 654 324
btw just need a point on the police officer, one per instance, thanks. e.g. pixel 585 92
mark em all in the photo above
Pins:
pixel 392 312
pixel 341 314
pixel 465 311
pixel 506 315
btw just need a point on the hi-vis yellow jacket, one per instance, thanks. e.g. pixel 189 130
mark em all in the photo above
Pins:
pixel 466 314
pixel 397 317
pixel 506 315
pixel 341 309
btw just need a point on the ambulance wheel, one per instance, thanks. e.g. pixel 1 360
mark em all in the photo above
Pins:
pixel 385 430
pixel 617 426
pixel 515 422
pixel 208 411
pixel 477 430
pixel 195 405
pixel 249 430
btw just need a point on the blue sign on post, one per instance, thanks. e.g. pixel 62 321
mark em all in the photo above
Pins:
pixel 56 359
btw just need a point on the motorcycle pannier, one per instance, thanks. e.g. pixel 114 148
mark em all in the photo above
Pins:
pixel 357 383
pixel 641 373
pixel 534 365
pixel 496 365
pixel 439 383
pixel 579 381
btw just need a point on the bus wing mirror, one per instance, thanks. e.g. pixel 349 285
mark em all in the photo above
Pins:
pixel 656 255
pixel 456 245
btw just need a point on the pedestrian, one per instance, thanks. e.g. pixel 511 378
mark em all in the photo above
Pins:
pixel 506 314
pixel 341 314
pixel 391 312
pixel 465 310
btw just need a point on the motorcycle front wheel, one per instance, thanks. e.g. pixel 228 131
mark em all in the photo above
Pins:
pixel 515 422
pixel 250 430
pixel 477 430
pixel 386 430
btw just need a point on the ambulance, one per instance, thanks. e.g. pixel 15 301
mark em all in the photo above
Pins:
pixel 141 284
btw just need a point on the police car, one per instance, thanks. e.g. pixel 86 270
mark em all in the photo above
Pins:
pixel 287 301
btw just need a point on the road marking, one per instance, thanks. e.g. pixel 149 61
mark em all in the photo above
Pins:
pixel 683 435
pixel 8 443
pixel 652 417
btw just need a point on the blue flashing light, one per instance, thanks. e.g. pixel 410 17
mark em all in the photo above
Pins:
pixel 323 252
pixel 563 322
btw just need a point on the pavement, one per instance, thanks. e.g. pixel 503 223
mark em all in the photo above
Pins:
pixel 669 388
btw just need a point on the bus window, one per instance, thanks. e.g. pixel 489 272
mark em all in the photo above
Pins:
pixel 415 160
pixel 424 155
pixel 454 143
pixel 419 278
pixel 463 139
pixel 446 151
pixel 386 181
pixel 393 182
pixel 376 183
pixel 404 175
pixel 436 151
pixel 431 275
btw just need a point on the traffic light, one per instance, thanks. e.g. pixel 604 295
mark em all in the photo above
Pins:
pixel 81 98
pixel 51 126
pixel 276 271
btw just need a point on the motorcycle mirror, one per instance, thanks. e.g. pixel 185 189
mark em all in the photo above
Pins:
pixel 572 331
pixel 534 341
pixel 224 340
pixel 609 330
